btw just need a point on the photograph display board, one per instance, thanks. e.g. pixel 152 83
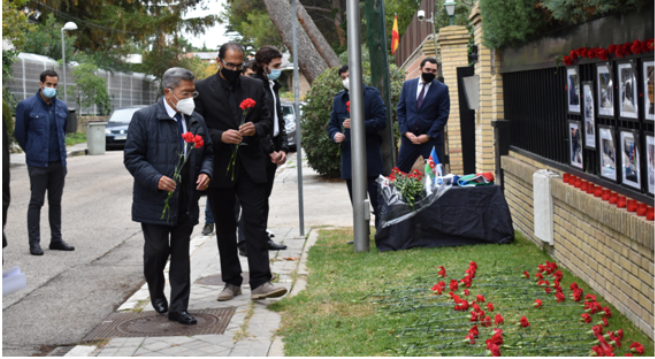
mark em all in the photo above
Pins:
pixel 573 89
pixel 575 144
pixel 589 115
pixel 605 90
pixel 628 97
pixel 607 153
pixel 630 165
pixel 648 75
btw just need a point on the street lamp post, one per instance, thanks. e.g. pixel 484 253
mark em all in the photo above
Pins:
pixel 450 9
pixel 68 26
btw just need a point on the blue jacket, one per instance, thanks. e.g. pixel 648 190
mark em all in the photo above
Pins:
pixel 375 120
pixel 33 129
pixel 151 151
pixel 433 115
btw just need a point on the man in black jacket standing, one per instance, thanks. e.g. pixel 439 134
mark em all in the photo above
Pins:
pixel 219 102
pixel 153 148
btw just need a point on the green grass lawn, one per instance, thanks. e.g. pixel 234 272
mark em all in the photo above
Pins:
pixel 345 309
pixel 75 138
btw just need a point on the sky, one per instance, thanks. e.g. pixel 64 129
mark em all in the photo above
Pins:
pixel 214 36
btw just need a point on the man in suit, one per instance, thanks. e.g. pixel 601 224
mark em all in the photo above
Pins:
pixel 154 144
pixel 339 131
pixel 220 96
pixel 423 111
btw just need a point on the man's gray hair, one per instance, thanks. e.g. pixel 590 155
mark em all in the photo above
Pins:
pixel 174 75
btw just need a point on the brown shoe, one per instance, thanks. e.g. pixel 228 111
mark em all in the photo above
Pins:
pixel 229 292
pixel 268 290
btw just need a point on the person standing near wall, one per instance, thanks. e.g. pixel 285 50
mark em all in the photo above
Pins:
pixel 41 124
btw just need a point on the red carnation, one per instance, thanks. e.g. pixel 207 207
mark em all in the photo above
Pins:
pixel 597 329
pixel 493 349
pixel 539 276
pixel 472 264
pixel 476 307
pixel 470 338
pixel 577 294
pixel 526 274
pixel 616 340
pixel 548 290
pixel 471 272
pixel 619 333
pixel 591 53
pixel 442 271
pixel 348 108
pixel 498 320
pixel 650 44
pixel 199 142
pixel 596 351
pixel 453 285
pixel 582 52
pixel 636 47
pixel 524 322
pixel 467 281
pixel 574 286
pixel 538 303
pixel 612 48
pixel 486 322
pixel 474 331
pixel 560 297
pixel 187 137
pixel 602 54
pixel 474 316
pixel 608 312
pixel 435 288
pixel 574 54
pixel 490 307
pixel 558 275
pixel 590 296
pixel 636 347
pixel 247 103
pixel 541 268
pixel 605 323
pixel 480 298
pixel 629 354
pixel 466 292
pixel 568 61
pixel 586 317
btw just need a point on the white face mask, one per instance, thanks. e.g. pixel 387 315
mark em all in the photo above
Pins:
pixel 346 83
pixel 185 106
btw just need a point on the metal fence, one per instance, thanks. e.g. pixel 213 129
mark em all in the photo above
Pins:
pixel 536 104
pixel 124 89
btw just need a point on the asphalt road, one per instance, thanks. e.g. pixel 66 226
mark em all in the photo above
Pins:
pixel 70 293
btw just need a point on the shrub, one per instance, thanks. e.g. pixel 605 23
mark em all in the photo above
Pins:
pixel 510 23
pixel 321 150
pixel 89 89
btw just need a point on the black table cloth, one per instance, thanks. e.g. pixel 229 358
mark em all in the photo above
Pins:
pixel 462 216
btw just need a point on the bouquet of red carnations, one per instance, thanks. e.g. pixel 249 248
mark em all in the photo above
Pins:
pixel 409 185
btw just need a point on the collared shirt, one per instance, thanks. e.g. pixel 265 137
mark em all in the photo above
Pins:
pixel 420 86
pixel 276 125
pixel 172 113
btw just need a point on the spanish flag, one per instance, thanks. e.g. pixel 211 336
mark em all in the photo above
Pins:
pixel 394 35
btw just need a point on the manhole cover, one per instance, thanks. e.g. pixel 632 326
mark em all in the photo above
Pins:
pixel 152 324
pixel 218 280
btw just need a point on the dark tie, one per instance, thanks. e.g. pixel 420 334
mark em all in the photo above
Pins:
pixel 420 97
pixel 232 98
pixel 178 117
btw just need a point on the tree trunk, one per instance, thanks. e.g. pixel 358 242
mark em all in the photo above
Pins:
pixel 310 61
pixel 338 19
pixel 317 37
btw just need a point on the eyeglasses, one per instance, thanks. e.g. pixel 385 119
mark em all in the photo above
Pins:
pixel 186 94
pixel 234 67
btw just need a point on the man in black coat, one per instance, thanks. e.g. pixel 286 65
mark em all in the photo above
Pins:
pixel 219 102
pixel 155 143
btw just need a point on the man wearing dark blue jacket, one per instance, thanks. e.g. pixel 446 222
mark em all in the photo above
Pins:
pixel 339 131
pixel 152 151
pixel 41 123
pixel 422 112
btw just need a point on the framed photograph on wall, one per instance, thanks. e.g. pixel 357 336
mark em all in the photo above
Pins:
pixel 575 144
pixel 607 153
pixel 648 76
pixel 605 90
pixel 628 94
pixel 589 115
pixel 573 89
pixel 650 159
pixel 630 165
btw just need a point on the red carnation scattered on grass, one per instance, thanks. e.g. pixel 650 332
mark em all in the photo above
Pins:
pixel 498 320
pixel 560 297
pixel 454 285
pixel 636 347
pixel 577 294
pixel 479 298
pixel 474 316
pixel 524 322
pixel 470 338
pixel 442 271
pixel 474 331
pixel 574 286
pixel 605 323
pixel 539 276
pixel 526 274
pixel 586 317
pixel 608 312
pixel 490 307
pixel 486 322
pixel 494 350
pixel 466 292
pixel 597 329
pixel 538 303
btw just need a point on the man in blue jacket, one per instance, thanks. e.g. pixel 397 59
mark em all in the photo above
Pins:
pixel 339 131
pixel 41 123
pixel 422 112
pixel 154 145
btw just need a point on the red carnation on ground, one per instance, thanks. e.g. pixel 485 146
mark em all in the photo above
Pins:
pixel 498 320
pixel 479 298
pixel 548 290
pixel 472 264
pixel 560 297
pixel 524 322
pixel 574 286
pixel 586 317
pixel 539 276
pixel 605 323
pixel 466 292
pixel 454 285
pixel 541 268
pixel 615 341
pixel 597 329
pixel 590 296
pixel 577 294
pixel 471 272
pixel 474 316
pixel 558 275
pixel 608 312
pixel 470 338
pixel 494 350
pixel 596 351
pixel 636 347
pixel 463 305
pixel 247 103
pixel 188 137
pixel 490 307
pixel 619 333
pixel 486 322
pixel 467 281
pixel 474 331
pixel 538 303
pixel 442 271
pixel 526 274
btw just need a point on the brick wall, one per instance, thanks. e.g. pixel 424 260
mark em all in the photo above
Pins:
pixel 609 248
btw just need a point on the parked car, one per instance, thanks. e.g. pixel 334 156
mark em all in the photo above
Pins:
pixel 116 132
pixel 290 122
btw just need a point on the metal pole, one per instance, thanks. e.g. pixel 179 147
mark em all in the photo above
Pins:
pixel 296 111
pixel 63 61
pixel 361 212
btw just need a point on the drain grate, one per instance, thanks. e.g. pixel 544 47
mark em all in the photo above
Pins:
pixel 216 279
pixel 152 324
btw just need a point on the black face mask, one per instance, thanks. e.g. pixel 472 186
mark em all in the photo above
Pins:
pixel 230 75
pixel 427 76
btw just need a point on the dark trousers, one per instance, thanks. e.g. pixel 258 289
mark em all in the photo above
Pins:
pixel 372 195
pixel 42 179
pixel 409 153
pixel 271 168
pixel 253 200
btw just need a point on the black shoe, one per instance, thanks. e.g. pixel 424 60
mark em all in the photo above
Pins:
pixel 208 230
pixel 160 305
pixel 61 246
pixel 351 242
pixel 272 246
pixel 270 234
pixel 182 317
pixel 36 250
pixel 243 252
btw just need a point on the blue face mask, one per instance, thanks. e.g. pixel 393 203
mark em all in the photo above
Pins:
pixel 49 92
pixel 275 74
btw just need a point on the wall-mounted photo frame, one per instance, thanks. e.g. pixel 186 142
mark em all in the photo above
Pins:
pixel 628 94
pixel 607 152
pixel 575 144
pixel 573 89
pixel 650 160
pixel 648 79
pixel 605 90
pixel 630 161
pixel 589 114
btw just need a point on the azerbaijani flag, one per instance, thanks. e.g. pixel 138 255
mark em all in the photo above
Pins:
pixel 433 167
pixel 394 35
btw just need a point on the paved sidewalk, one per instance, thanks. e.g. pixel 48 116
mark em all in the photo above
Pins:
pixel 18 159
pixel 252 329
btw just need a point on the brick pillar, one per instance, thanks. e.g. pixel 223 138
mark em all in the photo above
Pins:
pixel 491 99
pixel 453 41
